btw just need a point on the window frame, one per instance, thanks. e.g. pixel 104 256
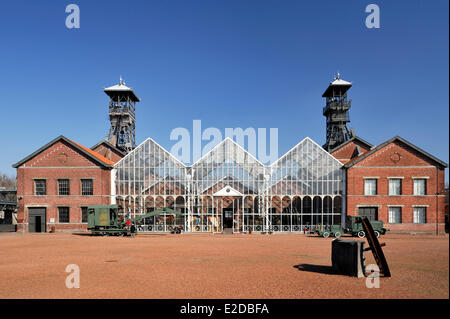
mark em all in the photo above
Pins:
pixel 68 214
pixel 424 215
pixel 91 186
pixel 424 186
pixel 59 186
pixel 400 214
pixel 400 186
pixel 84 209
pixel 366 180
pixel 35 186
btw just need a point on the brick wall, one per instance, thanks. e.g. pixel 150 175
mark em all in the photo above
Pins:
pixel 398 160
pixel 61 161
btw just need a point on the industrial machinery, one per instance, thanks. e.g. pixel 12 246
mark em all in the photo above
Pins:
pixel 352 227
pixel 355 228
pixel 347 256
pixel 330 230
pixel 104 220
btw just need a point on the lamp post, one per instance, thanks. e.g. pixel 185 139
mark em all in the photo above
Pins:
pixel 266 201
pixel 188 178
pixel 437 213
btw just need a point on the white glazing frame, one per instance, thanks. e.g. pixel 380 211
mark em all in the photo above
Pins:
pixel 301 189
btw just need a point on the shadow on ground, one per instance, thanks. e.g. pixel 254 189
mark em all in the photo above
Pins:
pixel 82 234
pixel 316 268
pixel 139 234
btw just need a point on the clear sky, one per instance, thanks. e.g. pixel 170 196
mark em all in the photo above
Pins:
pixel 231 63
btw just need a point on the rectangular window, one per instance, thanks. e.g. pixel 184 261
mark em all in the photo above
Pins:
pixel 395 215
pixel 395 186
pixel 87 187
pixel 63 187
pixel 370 212
pixel 63 214
pixel 420 186
pixel 40 187
pixel 84 214
pixel 370 187
pixel 419 215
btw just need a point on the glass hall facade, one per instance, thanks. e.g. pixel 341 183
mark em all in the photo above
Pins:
pixel 230 190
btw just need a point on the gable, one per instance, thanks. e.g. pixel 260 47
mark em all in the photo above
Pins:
pixel 109 152
pixel 227 191
pixel 349 151
pixel 397 154
pixel 60 154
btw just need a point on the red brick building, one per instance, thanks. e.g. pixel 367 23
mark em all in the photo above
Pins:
pixel 56 183
pixel 396 182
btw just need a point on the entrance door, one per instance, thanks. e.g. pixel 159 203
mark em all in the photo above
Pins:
pixel 38 223
pixel 36 220
pixel 370 212
pixel 227 219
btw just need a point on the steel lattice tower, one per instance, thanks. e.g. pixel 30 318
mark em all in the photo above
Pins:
pixel 336 112
pixel 122 115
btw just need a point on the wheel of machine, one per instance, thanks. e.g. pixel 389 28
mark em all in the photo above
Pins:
pixel 337 234
pixel 326 234
pixel 377 233
pixel 361 234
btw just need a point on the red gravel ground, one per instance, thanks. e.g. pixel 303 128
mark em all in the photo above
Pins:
pixel 213 266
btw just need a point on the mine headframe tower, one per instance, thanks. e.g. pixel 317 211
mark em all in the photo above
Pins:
pixel 336 112
pixel 122 115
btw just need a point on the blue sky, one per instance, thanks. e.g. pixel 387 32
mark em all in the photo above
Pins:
pixel 228 63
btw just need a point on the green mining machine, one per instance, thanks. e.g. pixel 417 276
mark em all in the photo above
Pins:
pixel 104 220
pixel 352 227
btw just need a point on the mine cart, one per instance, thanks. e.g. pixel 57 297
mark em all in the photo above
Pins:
pixel 356 229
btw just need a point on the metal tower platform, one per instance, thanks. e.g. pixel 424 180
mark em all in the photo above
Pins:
pixel 122 115
pixel 336 112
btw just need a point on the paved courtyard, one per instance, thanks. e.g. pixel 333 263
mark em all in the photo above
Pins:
pixel 213 266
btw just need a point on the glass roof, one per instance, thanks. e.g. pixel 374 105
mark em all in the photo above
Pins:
pixel 306 169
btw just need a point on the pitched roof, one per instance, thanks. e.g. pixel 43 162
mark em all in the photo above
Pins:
pixel 95 154
pixel 90 153
pixel 337 83
pixel 355 138
pixel 109 145
pixel 121 87
pixel 395 138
